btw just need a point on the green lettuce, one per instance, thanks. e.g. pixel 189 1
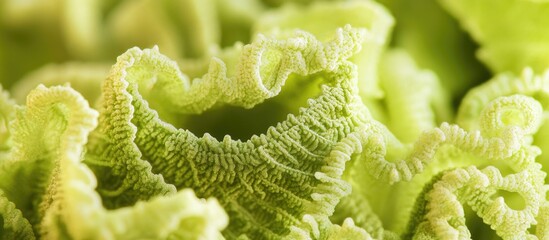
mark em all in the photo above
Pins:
pixel 272 119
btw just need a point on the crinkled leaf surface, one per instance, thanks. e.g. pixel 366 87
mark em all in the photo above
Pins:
pixel 266 183
pixel 45 178
pixel 312 130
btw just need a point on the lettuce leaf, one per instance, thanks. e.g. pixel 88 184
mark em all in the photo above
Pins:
pixel 48 143
pixel 137 155
pixel 272 120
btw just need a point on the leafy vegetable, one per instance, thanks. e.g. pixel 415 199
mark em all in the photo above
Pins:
pixel 273 120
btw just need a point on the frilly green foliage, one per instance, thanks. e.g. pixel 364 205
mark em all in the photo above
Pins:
pixel 300 160
pixel 528 83
pixel 368 15
pixel 371 17
pixel 309 128
pixel 15 226
pixel 325 230
pixel 48 143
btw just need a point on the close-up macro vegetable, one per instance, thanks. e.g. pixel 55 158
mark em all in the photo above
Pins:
pixel 274 119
